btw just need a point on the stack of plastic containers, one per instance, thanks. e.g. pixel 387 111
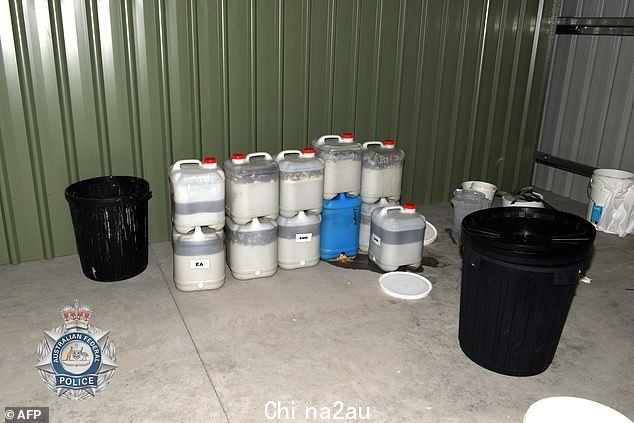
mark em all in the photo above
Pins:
pixel 381 176
pixel 252 207
pixel 301 202
pixel 342 185
pixel 198 200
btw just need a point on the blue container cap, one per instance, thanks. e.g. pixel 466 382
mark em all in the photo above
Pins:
pixel 342 201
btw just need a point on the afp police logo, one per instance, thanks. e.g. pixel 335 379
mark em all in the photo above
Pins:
pixel 77 359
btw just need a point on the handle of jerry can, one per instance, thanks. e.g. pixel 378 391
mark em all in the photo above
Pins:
pixel 368 143
pixel 321 140
pixel 283 154
pixel 178 164
pixel 262 154
pixel 384 210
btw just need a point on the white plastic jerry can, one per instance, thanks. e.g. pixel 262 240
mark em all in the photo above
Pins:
pixel 298 240
pixel 252 187
pixel 199 259
pixel 396 237
pixel 301 181
pixel 342 161
pixel 252 248
pixel 198 194
pixel 366 220
pixel 382 171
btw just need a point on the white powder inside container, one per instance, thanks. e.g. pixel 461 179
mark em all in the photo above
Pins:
pixel 252 261
pixel 293 254
pixel 381 183
pixel 301 194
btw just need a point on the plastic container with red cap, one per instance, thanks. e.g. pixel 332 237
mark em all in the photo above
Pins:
pixel 382 171
pixel 397 234
pixel 198 194
pixel 301 181
pixel 342 161
pixel 252 187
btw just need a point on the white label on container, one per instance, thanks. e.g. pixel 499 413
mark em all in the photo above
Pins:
pixel 303 237
pixel 199 264
pixel 376 239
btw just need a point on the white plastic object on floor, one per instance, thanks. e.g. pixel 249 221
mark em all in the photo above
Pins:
pixel 252 248
pixel 199 259
pixel 396 237
pixel 431 233
pixel 485 188
pixel 572 409
pixel 252 187
pixel 301 181
pixel 366 221
pixel 405 285
pixel 382 171
pixel 507 201
pixel 611 201
pixel 342 161
pixel 198 194
pixel 298 240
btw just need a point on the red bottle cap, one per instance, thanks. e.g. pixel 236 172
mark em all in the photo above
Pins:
pixel 409 206
pixel 347 135
pixel 209 160
pixel 237 156
pixel 308 150
pixel 389 142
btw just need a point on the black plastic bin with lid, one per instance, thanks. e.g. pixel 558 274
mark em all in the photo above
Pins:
pixel 109 216
pixel 519 273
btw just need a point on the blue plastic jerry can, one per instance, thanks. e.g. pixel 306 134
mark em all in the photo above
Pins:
pixel 340 226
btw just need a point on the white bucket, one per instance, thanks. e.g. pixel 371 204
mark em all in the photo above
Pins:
pixel 611 201
pixel 572 409
pixel 484 187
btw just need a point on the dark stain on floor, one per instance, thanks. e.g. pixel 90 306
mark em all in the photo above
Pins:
pixel 362 262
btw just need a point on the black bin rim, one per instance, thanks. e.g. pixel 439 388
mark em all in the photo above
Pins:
pixel 529 235
pixel 108 190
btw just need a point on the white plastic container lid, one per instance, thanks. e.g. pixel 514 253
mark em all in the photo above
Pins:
pixel 405 285
pixel 572 409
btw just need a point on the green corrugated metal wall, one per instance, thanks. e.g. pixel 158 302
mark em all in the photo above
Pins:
pixel 94 87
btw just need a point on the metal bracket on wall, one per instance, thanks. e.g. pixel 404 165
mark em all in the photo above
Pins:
pixel 595 26
pixel 563 164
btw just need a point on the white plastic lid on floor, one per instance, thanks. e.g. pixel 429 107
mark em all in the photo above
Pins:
pixel 431 233
pixel 572 409
pixel 405 285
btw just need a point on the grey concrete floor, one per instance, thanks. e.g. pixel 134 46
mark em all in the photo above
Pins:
pixel 309 338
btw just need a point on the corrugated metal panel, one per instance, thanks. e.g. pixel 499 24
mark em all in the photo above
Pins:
pixel 590 101
pixel 94 87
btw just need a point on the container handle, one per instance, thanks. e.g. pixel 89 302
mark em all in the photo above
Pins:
pixel 368 143
pixel 384 210
pixel 322 140
pixel 178 164
pixel 265 155
pixel 282 154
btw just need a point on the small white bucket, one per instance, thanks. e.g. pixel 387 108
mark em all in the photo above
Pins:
pixel 609 190
pixel 484 187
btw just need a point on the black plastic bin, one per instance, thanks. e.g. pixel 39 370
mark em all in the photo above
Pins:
pixel 110 220
pixel 519 273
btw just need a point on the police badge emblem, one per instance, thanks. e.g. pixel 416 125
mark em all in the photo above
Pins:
pixel 76 360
